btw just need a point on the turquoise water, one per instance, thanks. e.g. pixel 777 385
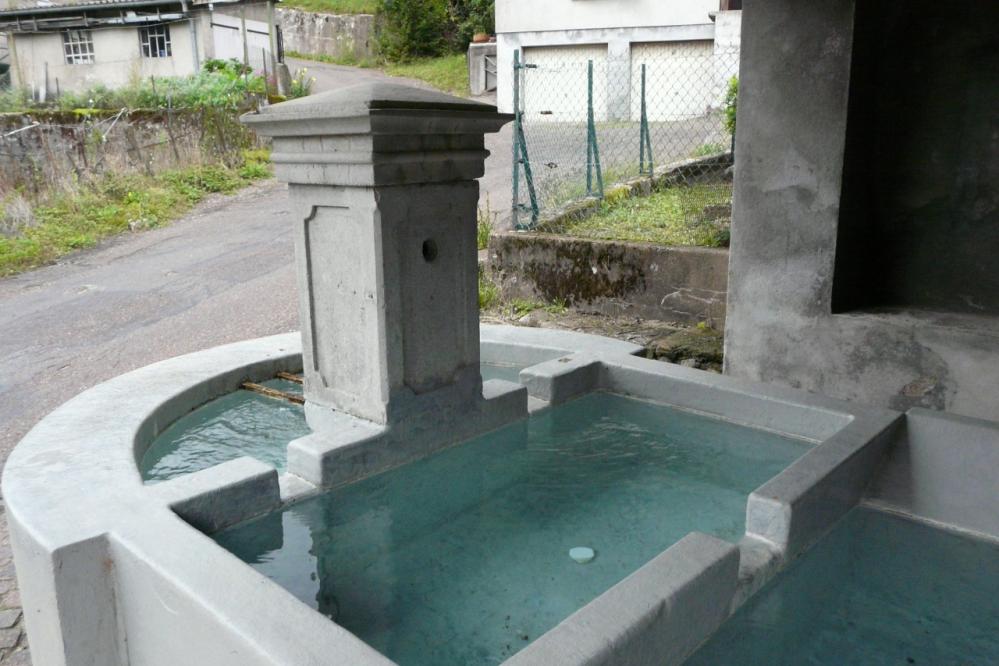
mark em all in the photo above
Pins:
pixel 878 590
pixel 243 423
pixel 463 557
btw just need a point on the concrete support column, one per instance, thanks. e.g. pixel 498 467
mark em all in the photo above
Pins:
pixel 383 181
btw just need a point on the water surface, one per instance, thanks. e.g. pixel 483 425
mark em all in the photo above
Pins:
pixel 462 558
pixel 243 423
pixel 878 590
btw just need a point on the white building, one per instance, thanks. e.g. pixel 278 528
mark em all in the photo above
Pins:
pixel 674 38
pixel 70 45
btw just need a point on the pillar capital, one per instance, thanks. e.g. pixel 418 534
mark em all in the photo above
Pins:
pixel 377 134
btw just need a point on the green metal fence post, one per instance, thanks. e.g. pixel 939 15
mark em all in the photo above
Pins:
pixel 592 149
pixel 516 139
pixel 645 139
pixel 520 155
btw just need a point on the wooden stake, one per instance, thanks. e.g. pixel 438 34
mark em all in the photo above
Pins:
pixel 273 393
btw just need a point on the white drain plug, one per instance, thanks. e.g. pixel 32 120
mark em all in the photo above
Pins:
pixel 582 554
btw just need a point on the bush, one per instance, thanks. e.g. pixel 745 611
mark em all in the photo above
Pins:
pixel 731 104
pixel 424 28
pixel 469 17
pixel 411 28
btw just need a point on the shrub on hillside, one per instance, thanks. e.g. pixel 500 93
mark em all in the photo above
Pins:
pixel 421 28
pixel 412 28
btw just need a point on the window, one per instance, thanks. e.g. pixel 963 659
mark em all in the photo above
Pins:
pixel 155 41
pixel 78 45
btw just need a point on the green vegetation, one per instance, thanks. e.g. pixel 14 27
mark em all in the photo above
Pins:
pixel 681 215
pixel 519 307
pixel 334 6
pixel 485 226
pixel 425 28
pixel 301 84
pixel 448 73
pixel 34 235
pixel 489 291
pixel 707 149
pixel 491 298
pixel 411 29
pixel 731 104
pixel 221 84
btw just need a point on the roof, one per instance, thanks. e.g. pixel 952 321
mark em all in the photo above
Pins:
pixel 31 7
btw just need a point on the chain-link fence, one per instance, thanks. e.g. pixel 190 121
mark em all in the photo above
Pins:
pixel 587 123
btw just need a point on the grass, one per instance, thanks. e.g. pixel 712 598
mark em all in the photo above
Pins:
pixel 485 220
pixel 491 298
pixel 448 73
pixel 114 204
pixel 489 291
pixel 708 149
pixel 334 6
pixel 685 215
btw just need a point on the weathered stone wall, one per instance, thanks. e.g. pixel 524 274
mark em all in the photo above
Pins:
pixel 335 35
pixel 684 284
pixel 47 149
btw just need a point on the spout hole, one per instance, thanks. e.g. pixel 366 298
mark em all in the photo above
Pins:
pixel 429 250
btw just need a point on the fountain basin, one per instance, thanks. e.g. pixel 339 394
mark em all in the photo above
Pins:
pixel 116 571
pixel 879 589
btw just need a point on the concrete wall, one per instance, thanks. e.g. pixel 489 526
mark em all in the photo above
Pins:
pixel 117 59
pixel 793 107
pixel 684 284
pixel 942 468
pixel 337 35
pixel 529 15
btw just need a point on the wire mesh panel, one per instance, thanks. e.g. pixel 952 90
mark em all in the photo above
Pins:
pixel 586 122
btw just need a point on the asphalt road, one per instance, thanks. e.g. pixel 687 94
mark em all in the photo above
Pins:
pixel 222 273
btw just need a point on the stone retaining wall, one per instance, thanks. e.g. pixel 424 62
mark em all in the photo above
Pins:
pixel 335 35
pixel 684 284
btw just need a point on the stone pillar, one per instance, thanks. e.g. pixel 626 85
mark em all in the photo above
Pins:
pixel 382 179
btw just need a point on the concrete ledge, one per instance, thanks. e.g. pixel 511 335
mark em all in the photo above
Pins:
pixel 811 417
pixel 942 468
pixel 223 495
pixel 563 379
pixel 685 284
pixel 656 616
pixel 344 448
pixel 802 503
pixel 519 345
